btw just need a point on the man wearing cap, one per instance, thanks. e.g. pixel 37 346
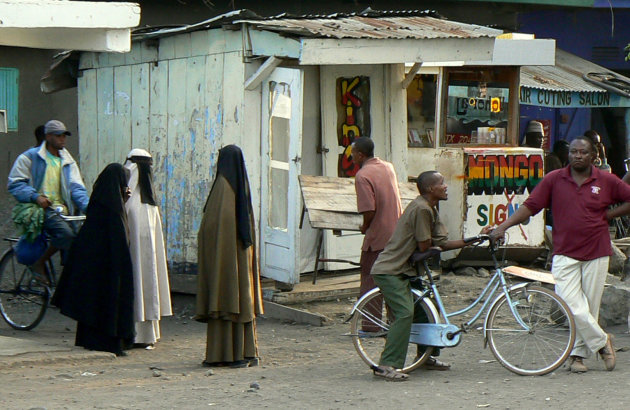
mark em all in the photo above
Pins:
pixel 534 135
pixel 48 176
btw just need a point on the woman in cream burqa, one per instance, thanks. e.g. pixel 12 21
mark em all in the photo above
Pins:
pixel 148 256
pixel 229 295
pixel 96 286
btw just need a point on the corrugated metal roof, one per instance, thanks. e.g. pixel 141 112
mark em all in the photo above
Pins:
pixel 566 75
pixel 370 24
pixel 144 33
pixel 414 27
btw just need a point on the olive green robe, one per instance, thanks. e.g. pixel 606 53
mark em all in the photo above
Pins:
pixel 228 293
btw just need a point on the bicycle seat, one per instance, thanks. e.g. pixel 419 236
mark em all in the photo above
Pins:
pixel 420 256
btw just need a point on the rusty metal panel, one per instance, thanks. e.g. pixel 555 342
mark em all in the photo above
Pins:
pixel 415 27
pixel 415 24
pixel 566 75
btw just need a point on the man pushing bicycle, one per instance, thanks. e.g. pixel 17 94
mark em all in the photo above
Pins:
pixel 419 228
pixel 49 177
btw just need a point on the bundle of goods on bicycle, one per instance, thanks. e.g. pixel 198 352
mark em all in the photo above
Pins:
pixel 29 219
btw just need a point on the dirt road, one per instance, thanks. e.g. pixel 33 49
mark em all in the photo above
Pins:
pixel 302 367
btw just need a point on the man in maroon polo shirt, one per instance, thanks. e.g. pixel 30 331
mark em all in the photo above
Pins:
pixel 579 196
pixel 378 201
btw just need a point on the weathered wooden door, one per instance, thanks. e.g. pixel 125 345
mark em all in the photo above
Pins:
pixel 345 106
pixel 281 148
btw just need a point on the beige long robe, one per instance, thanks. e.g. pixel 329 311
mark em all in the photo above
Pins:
pixel 152 297
pixel 228 294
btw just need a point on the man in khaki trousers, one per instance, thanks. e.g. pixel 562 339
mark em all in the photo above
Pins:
pixel 579 196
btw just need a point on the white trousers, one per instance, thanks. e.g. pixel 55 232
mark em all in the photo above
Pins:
pixel 581 285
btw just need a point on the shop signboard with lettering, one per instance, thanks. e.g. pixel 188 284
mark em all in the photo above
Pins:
pixel 569 99
pixel 498 180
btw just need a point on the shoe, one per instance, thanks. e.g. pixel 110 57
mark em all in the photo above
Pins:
pixel 214 364
pixel 435 364
pixel 239 364
pixel 39 277
pixel 576 365
pixel 607 353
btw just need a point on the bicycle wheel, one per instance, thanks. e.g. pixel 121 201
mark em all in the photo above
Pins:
pixel 545 346
pixel 23 300
pixel 372 312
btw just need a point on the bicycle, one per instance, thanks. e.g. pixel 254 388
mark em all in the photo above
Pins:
pixel 529 328
pixel 24 299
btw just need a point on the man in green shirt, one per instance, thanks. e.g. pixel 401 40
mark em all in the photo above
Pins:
pixel 418 229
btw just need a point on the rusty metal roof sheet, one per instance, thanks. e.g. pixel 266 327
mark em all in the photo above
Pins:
pixel 369 24
pixel 566 75
pixel 397 27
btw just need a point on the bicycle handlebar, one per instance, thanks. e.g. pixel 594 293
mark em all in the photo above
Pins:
pixel 478 239
pixel 433 251
pixel 68 218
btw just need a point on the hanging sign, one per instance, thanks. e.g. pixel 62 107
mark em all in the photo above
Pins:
pixel 571 99
pixel 353 119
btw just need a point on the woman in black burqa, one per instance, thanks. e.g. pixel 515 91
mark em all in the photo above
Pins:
pixel 96 286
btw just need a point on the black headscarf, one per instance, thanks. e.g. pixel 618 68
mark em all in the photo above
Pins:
pixel 109 189
pixel 231 166
pixel 145 179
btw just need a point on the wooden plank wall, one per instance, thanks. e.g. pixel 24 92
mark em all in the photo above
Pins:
pixel 182 101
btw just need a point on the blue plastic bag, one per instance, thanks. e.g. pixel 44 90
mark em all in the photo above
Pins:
pixel 29 252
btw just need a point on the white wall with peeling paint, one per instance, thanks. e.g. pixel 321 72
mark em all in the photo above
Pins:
pixel 182 100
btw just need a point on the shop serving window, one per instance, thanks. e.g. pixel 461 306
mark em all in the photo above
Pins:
pixel 477 106
pixel 421 111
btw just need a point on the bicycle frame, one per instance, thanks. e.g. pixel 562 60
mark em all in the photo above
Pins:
pixel 52 274
pixel 448 335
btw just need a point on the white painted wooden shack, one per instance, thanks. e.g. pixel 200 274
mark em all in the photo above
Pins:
pixel 272 87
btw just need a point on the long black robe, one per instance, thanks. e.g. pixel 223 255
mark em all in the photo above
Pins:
pixel 96 286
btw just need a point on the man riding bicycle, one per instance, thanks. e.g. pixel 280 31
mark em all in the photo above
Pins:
pixel 48 176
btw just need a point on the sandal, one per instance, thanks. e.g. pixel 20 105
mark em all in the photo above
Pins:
pixel 390 374
pixel 40 278
pixel 434 364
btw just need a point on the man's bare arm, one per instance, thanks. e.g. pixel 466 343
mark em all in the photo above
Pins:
pixel 368 217
pixel 521 214
pixel 621 210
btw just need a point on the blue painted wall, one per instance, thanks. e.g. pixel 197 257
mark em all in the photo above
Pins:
pixel 578 31
pixel 598 35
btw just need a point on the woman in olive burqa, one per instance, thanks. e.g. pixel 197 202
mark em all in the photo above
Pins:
pixel 96 286
pixel 229 295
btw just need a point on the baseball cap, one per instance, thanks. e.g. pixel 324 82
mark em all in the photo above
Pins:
pixel 55 127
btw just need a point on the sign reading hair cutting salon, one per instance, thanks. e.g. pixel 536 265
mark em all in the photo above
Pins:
pixel 569 99
pixel 353 119
pixel 498 180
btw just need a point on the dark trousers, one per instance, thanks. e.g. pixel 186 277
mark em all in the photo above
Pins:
pixel 60 233
pixel 367 284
